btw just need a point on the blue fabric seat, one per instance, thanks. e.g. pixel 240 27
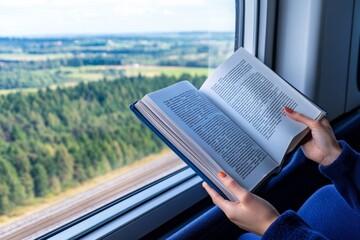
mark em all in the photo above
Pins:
pixel 201 226
pixel 327 212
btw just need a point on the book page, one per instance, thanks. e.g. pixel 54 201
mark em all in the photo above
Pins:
pixel 201 124
pixel 254 97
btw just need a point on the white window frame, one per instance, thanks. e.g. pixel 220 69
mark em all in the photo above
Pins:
pixel 140 213
pixel 127 216
pixel 255 28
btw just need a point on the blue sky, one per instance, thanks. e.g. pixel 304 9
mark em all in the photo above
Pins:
pixel 49 17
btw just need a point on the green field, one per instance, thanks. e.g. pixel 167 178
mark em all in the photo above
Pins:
pixel 33 57
pixel 74 75
pixel 93 73
pixel 27 63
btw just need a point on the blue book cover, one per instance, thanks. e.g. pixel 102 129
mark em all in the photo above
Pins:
pixel 174 149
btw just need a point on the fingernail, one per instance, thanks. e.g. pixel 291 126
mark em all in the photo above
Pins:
pixel 222 175
pixel 288 110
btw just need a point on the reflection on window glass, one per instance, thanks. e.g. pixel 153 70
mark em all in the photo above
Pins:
pixel 68 72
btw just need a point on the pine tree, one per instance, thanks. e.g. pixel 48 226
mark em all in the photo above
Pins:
pixel 41 180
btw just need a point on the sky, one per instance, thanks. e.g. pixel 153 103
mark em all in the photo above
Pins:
pixel 58 17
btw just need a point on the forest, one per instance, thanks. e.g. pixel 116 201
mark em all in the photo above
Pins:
pixel 58 137
pixel 55 139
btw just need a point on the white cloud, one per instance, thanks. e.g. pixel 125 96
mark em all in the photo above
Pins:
pixel 99 16
pixel 21 3
pixel 168 13
pixel 186 3
pixel 127 10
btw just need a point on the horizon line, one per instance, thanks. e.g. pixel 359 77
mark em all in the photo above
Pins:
pixel 57 35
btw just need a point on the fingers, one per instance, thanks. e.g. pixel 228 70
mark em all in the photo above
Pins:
pixel 252 214
pixel 312 124
pixel 217 199
pixel 325 122
pixel 298 116
pixel 240 192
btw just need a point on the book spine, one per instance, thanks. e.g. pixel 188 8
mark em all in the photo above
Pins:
pixel 174 149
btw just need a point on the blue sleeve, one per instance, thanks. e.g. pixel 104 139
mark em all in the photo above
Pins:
pixel 344 172
pixel 290 226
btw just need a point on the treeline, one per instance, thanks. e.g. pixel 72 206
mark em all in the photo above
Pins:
pixel 75 61
pixel 55 139
pixel 21 78
pixel 122 43
pixel 38 74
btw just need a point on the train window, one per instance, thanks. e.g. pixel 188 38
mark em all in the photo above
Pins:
pixel 69 146
pixel 255 29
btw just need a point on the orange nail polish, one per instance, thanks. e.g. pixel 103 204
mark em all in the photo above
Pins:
pixel 288 110
pixel 222 175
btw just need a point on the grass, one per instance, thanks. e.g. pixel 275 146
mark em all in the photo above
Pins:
pixel 33 57
pixel 92 72
pixel 168 70
pixel 14 90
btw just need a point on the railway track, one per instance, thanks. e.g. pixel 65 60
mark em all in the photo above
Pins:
pixel 50 218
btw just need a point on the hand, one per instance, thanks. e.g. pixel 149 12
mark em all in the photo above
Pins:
pixel 322 147
pixel 251 212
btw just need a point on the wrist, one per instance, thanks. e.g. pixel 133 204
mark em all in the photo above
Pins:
pixel 332 156
pixel 268 223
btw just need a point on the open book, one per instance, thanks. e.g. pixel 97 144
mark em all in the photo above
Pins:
pixel 234 123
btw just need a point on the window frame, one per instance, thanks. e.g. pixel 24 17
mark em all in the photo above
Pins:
pixel 256 28
pixel 182 189
pixel 177 191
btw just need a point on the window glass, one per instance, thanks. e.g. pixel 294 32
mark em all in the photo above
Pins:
pixel 68 72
